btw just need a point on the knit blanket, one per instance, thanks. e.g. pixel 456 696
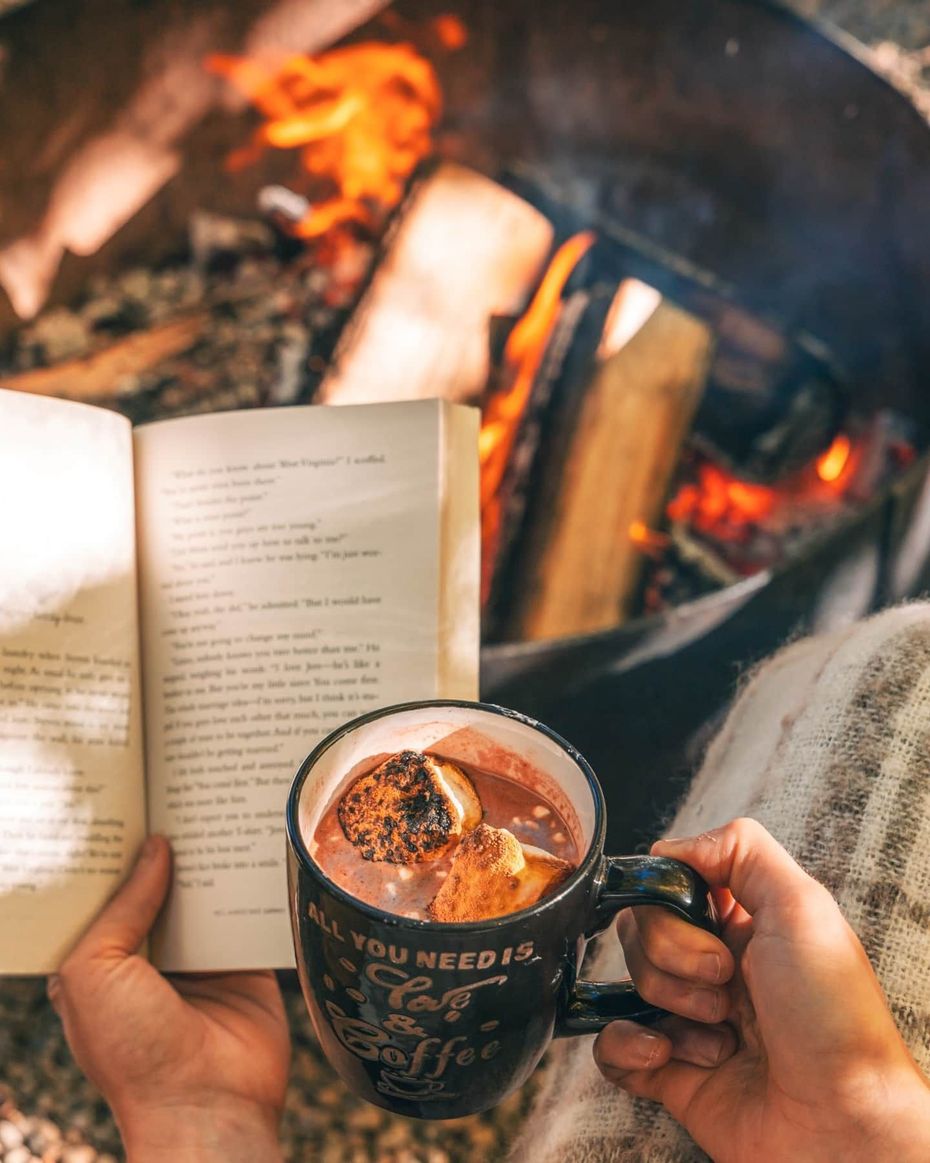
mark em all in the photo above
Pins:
pixel 828 745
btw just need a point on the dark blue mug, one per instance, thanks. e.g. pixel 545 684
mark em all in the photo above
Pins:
pixel 440 1020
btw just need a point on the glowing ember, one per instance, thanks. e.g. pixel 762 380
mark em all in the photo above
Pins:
pixel 362 116
pixel 451 31
pixel 830 466
pixel 522 356
pixel 648 540
pixel 720 504
pixel 725 508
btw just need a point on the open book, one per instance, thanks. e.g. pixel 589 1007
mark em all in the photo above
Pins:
pixel 185 610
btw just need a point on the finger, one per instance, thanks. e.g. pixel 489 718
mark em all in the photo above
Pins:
pixel 676 947
pixel 703 1003
pixel 674 1082
pixel 125 921
pixel 675 1085
pixel 626 1046
pixel 743 857
pixel 698 1044
pixel 620 1048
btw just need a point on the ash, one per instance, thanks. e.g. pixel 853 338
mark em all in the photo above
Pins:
pixel 269 313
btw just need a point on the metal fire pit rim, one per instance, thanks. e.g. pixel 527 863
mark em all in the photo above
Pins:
pixel 644 638
pixel 847 44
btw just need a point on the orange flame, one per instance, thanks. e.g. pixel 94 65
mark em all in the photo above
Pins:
pixel 362 116
pixel 523 354
pixel 831 464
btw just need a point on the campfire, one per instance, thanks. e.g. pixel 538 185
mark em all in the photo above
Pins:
pixel 361 116
pixel 648 435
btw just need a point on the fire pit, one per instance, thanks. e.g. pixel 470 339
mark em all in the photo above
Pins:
pixel 682 259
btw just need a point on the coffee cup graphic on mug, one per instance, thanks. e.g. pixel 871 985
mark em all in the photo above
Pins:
pixel 438 1020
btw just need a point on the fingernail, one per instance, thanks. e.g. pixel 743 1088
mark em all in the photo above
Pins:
pixel 709 967
pixel 53 989
pixel 646 1047
pixel 673 842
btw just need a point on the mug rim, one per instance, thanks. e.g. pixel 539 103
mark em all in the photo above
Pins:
pixel 594 854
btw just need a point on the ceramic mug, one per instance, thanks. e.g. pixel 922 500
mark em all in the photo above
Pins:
pixel 439 1020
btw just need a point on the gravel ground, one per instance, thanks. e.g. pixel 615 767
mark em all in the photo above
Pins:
pixel 50 1113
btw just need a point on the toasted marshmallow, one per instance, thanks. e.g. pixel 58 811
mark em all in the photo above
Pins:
pixel 412 807
pixel 493 874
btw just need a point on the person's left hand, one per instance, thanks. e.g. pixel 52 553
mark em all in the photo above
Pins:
pixel 193 1068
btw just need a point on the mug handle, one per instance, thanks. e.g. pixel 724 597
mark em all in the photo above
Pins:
pixel 624 881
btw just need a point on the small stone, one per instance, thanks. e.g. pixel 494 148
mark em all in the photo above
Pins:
pixel 482 1136
pixel 316 281
pixel 128 384
pixel 18 1155
pixel 102 310
pixel 45 1135
pixel 404 1155
pixel 365 1118
pixel 10 1135
pixel 330 1095
pixel 214 237
pixel 82 1154
pixel 61 335
pixel 136 284
pixel 397 1134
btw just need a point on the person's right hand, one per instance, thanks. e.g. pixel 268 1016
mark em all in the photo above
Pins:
pixel 783 1047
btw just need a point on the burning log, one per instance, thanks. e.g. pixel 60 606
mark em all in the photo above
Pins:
pixel 508 415
pixel 121 136
pixel 462 249
pixel 98 376
pixel 772 402
pixel 583 566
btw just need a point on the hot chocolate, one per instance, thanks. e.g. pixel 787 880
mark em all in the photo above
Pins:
pixel 398 832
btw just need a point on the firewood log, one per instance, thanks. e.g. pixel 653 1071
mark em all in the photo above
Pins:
pixel 97 376
pixel 583 566
pixel 462 249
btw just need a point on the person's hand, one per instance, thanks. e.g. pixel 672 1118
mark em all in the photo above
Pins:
pixel 782 1047
pixel 193 1069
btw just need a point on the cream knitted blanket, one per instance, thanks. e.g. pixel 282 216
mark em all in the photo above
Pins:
pixel 828 746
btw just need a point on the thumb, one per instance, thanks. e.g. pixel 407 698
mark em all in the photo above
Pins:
pixel 746 859
pixel 124 922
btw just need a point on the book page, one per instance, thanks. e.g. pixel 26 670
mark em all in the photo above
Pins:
pixel 72 810
pixel 290 569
